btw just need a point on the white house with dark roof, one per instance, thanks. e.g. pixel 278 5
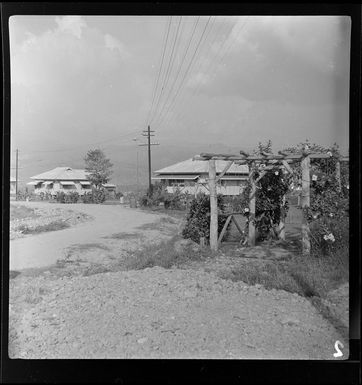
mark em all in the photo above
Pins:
pixel 191 176
pixel 65 179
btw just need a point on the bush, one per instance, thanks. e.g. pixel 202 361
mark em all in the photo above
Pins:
pixel 60 197
pixel 87 198
pixel 99 195
pixel 198 218
pixel 96 196
pixel 72 197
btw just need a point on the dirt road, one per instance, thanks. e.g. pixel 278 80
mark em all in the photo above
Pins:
pixel 45 249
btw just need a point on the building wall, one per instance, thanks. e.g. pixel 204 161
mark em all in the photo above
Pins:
pixel 225 188
pixel 12 188
pixel 57 187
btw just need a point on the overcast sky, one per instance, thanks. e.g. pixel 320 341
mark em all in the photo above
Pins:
pixel 79 80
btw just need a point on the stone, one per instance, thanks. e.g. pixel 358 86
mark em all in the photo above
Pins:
pixel 142 340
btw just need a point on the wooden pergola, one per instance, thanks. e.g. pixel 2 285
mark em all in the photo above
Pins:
pixel 261 164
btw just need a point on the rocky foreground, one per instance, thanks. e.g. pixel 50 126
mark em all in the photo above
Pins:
pixel 159 313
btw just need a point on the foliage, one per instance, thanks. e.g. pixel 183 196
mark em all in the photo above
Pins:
pixel 328 215
pixel 71 197
pixel 198 217
pixel 60 197
pixel 176 200
pixel 98 166
pixel 87 197
pixel 96 196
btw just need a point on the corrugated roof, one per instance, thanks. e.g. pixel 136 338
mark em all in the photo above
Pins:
pixel 190 166
pixel 62 173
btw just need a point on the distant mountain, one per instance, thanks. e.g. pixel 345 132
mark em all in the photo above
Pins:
pixel 124 159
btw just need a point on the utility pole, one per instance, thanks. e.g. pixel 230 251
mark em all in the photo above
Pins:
pixel 147 133
pixel 137 177
pixel 16 174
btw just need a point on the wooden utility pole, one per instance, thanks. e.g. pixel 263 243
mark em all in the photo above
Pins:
pixel 149 144
pixel 305 203
pixel 213 206
pixel 16 174
pixel 252 205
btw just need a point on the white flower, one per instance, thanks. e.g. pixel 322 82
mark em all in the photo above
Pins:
pixel 347 187
pixel 331 215
pixel 329 153
pixel 276 173
pixel 246 209
pixel 314 177
pixel 329 237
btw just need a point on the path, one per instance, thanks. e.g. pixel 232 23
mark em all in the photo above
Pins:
pixel 45 249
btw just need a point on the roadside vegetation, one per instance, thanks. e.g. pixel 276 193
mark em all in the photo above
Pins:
pixel 52 226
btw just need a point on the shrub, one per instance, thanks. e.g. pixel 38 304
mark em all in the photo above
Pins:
pixel 87 198
pixel 72 197
pixel 60 197
pixel 198 217
pixel 98 195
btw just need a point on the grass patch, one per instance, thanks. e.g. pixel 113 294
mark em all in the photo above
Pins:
pixel 312 276
pixel 52 226
pixel 95 269
pixel 88 246
pixel 164 255
pixel 122 235
pixel 22 212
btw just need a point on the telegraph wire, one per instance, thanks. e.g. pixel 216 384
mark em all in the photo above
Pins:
pixel 180 66
pixel 215 64
pixel 168 70
pixel 161 65
pixel 211 65
pixel 189 66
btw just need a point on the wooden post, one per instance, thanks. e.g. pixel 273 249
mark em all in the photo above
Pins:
pixel 338 175
pixel 213 205
pixel 282 221
pixel 252 205
pixel 305 203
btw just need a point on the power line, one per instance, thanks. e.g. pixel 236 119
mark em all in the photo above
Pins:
pixel 214 64
pixel 161 65
pixel 86 144
pixel 189 66
pixel 169 68
pixel 211 63
pixel 180 67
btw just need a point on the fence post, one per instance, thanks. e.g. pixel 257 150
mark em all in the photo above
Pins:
pixel 305 203
pixel 252 204
pixel 213 205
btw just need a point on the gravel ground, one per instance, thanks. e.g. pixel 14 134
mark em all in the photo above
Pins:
pixel 158 313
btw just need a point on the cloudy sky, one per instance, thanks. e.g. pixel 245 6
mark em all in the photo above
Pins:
pixel 81 81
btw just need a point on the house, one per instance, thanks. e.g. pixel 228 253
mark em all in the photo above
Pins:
pixel 191 177
pixel 12 185
pixel 65 179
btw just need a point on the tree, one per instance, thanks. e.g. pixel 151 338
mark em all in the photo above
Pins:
pixel 98 166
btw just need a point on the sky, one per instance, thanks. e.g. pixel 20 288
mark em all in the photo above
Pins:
pixel 79 82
